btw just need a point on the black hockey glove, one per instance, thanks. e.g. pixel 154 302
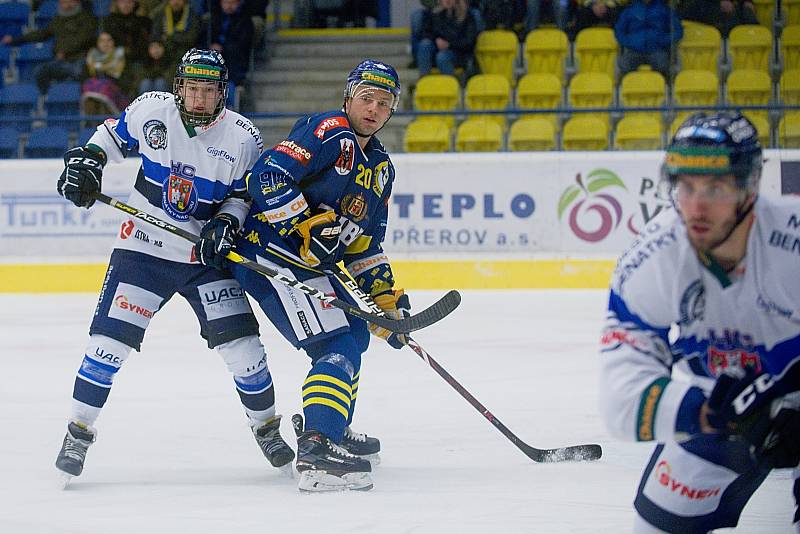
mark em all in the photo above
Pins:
pixel 781 446
pixel 395 305
pixel 319 239
pixel 216 240
pixel 82 176
pixel 739 405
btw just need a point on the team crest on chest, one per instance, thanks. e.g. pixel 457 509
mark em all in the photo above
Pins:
pixel 354 207
pixel 155 134
pixel 179 197
pixel 345 162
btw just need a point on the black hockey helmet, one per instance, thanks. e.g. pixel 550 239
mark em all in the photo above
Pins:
pixel 205 66
pixel 716 144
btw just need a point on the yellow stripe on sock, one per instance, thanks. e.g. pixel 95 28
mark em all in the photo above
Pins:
pixel 327 378
pixel 326 402
pixel 329 391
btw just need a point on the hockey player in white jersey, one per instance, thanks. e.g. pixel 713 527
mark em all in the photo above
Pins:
pixel 701 346
pixel 194 154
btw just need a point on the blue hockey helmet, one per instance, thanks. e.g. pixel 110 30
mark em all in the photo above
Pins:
pixel 716 144
pixel 375 74
pixel 205 66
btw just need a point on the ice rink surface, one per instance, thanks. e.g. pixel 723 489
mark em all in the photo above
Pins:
pixel 174 453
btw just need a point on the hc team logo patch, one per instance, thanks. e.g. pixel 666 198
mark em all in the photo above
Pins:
pixel 345 162
pixel 155 134
pixel 354 207
pixel 178 194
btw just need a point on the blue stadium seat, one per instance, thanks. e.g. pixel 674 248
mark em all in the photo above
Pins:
pixel 47 10
pixel 47 142
pixel 19 100
pixel 84 135
pixel 63 99
pixel 13 17
pixel 9 143
pixel 102 8
pixel 29 56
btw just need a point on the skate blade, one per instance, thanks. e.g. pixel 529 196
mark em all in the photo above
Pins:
pixel 287 470
pixel 64 480
pixel 321 482
pixel 373 459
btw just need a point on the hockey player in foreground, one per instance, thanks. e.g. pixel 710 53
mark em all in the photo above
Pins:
pixel 195 154
pixel 319 197
pixel 709 290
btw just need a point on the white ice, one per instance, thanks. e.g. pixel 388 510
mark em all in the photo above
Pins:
pixel 174 453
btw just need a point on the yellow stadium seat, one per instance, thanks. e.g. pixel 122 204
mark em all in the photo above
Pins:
pixel 749 88
pixel 496 51
pixel 790 47
pixel 585 133
pixel 479 135
pixel 427 135
pixel 546 50
pixel 764 11
pixel 789 130
pixel 792 11
pixel 700 47
pixel 596 50
pixel 762 126
pixel 643 88
pixel 750 46
pixel 438 92
pixel 696 88
pixel 532 134
pixel 790 87
pixel 638 132
pixel 540 90
pixel 591 90
pixel 488 91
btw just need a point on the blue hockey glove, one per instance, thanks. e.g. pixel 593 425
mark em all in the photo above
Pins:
pixel 739 405
pixel 319 239
pixel 395 305
pixel 82 176
pixel 216 240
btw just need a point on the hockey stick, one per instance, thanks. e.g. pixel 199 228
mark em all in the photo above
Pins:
pixel 436 312
pixel 561 454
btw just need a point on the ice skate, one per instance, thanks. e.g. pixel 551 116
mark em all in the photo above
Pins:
pixel 277 452
pixel 362 445
pixel 325 466
pixel 73 451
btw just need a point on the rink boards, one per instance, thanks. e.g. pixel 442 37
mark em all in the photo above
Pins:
pixel 498 220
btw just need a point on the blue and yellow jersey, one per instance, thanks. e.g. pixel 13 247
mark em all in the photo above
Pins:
pixel 321 166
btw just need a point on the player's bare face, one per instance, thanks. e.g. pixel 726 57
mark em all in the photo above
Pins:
pixel 199 97
pixel 369 109
pixel 708 206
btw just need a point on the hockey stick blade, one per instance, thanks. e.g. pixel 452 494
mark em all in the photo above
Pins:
pixel 574 453
pixel 434 313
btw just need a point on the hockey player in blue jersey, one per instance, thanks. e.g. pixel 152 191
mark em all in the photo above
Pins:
pixel 319 197
pixel 701 347
pixel 195 154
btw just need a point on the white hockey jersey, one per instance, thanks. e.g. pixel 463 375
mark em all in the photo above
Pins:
pixel 667 310
pixel 187 174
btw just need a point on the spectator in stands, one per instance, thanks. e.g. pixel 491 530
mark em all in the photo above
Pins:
pixel 723 14
pixel 231 34
pixel 448 38
pixel 558 8
pixel 74 31
pixel 101 93
pixel 129 30
pixel 592 13
pixel 646 31
pixel 178 27
pixel 157 72
pixel 418 18
pixel 148 8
